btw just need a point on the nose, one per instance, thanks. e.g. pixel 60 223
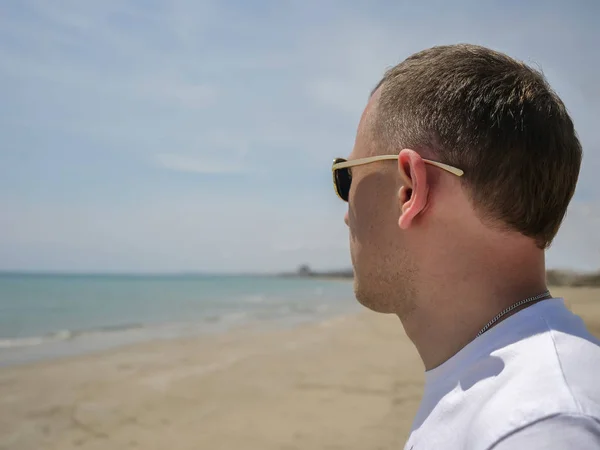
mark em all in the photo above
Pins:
pixel 346 218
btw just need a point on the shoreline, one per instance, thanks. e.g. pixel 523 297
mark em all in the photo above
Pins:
pixel 65 344
pixel 237 334
pixel 61 321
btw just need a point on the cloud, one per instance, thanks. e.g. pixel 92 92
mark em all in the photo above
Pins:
pixel 183 163
pixel 201 229
pixel 188 95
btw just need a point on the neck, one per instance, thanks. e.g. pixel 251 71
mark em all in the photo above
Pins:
pixel 453 302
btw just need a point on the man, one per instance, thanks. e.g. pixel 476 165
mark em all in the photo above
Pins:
pixel 463 167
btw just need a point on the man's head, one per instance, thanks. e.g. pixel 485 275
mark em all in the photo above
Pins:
pixel 474 109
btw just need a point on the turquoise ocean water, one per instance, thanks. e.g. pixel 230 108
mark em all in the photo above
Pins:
pixel 47 316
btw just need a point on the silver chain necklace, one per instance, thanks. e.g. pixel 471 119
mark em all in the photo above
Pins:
pixel 510 308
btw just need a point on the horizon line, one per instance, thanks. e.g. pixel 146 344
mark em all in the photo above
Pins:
pixel 5 272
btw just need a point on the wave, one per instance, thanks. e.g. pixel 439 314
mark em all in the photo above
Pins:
pixel 216 321
pixel 152 329
pixel 32 341
pixel 109 328
pixel 258 298
pixel 63 335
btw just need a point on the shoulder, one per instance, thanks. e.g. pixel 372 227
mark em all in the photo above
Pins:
pixel 555 432
pixel 575 362
pixel 548 378
pixel 556 366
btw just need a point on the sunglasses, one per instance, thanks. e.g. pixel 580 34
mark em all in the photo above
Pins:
pixel 342 175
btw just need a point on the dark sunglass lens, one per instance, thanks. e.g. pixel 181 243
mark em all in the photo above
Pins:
pixel 343 179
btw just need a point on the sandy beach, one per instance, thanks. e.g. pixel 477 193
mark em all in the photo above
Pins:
pixel 353 382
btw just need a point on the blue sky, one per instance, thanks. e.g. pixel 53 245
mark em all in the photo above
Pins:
pixel 169 135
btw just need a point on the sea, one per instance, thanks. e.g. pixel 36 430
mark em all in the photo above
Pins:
pixel 45 316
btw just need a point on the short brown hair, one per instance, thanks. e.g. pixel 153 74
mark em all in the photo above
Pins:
pixel 495 118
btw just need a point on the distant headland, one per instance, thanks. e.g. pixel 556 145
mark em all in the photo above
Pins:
pixel 304 271
pixel 554 277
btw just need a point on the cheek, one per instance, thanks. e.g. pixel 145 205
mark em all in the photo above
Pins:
pixel 375 223
pixel 372 216
pixel 363 219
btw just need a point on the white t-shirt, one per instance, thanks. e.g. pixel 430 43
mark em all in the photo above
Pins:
pixel 530 382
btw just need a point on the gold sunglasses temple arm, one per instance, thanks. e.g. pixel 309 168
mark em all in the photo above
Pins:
pixel 453 170
pixel 361 161
pixel 357 162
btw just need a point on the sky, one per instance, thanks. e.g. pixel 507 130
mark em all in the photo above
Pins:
pixel 198 135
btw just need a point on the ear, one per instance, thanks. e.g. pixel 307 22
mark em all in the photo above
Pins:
pixel 414 192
